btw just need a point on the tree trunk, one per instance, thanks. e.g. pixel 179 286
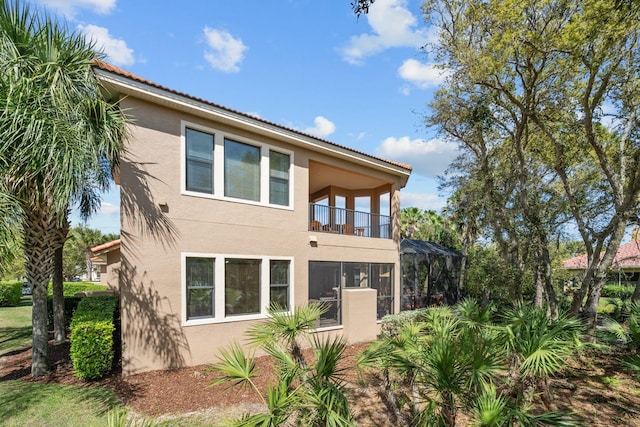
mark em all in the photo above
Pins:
pixel 547 281
pixel 59 328
pixel 590 309
pixel 537 302
pixel 39 253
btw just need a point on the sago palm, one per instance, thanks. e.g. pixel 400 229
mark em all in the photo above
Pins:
pixel 58 136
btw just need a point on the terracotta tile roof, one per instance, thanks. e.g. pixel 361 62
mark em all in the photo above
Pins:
pixel 105 247
pixel 116 70
pixel 628 256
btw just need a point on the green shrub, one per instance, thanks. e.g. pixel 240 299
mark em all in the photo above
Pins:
pixel 617 291
pixel 10 294
pixel 392 323
pixel 71 288
pixel 92 341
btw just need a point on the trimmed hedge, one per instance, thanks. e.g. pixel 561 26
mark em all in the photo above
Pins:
pixel 71 288
pixel 10 294
pixel 618 291
pixel 92 330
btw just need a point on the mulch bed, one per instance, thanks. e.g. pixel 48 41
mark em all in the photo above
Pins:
pixel 595 389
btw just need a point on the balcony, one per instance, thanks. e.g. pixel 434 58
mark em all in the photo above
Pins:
pixel 331 219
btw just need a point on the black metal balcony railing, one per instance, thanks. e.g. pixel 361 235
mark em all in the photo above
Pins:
pixel 330 219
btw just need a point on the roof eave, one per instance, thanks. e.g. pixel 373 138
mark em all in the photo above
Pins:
pixel 127 86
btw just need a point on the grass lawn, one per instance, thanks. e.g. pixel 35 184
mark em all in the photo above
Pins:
pixel 32 404
pixel 15 333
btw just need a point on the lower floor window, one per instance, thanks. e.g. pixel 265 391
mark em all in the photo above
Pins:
pixel 327 279
pixel 200 287
pixel 243 286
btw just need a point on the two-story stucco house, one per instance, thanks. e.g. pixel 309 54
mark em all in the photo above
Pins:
pixel 223 213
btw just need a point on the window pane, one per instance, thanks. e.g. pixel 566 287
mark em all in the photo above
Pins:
pixel 279 281
pixel 199 303
pixel 279 296
pixel 241 170
pixel 199 148
pixel 199 176
pixel 278 178
pixel 242 286
pixel 200 286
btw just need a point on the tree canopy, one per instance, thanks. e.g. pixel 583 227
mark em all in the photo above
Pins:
pixel 59 139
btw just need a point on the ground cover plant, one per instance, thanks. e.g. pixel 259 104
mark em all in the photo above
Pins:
pixel 596 387
pixel 464 359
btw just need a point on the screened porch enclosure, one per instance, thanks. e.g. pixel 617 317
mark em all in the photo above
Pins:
pixel 430 274
pixel 327 280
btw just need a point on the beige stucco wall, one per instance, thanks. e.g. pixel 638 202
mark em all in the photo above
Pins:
pixel 110 275
pixel 159 225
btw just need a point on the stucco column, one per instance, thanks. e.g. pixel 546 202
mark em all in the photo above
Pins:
pixel 359 314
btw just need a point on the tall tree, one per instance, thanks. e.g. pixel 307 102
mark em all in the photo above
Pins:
pixel 547 71
pixel 58 135
pixel 427 225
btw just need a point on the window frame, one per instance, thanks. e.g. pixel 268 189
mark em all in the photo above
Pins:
pixel 220 287
pixel 218 193
pixel 199 161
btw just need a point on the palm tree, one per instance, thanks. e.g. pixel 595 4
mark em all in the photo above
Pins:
pixel 450 360
pixel 59 136
pixel 310 393
pixel 539 347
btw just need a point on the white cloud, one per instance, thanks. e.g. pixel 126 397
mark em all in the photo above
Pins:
pixel 69 8
pixel 323 127
pixel 420 74
pixel 107 208
pixel 428 158
pixel 425 201
pixel 225 52
pixel 392 25
pixel 116 50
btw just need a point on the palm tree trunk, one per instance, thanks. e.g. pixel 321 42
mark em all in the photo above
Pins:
pixel 545 395
pixel 392 400
pixel 39 253
pixel 59 328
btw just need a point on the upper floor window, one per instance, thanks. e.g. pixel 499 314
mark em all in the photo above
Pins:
pixel 278 178
pixel 199 149
pixel 224 166
pixel 241 170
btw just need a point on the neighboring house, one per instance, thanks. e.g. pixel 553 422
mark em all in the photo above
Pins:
pixel 224 213
pixel 106 258
pixel 624 269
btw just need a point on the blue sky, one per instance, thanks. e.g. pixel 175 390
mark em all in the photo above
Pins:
pixel 306 64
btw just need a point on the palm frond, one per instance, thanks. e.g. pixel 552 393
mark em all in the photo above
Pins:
pixel 490 408
pixel 235 366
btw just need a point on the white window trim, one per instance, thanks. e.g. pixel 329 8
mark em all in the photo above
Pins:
pixel 218 166
pixel 219 288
